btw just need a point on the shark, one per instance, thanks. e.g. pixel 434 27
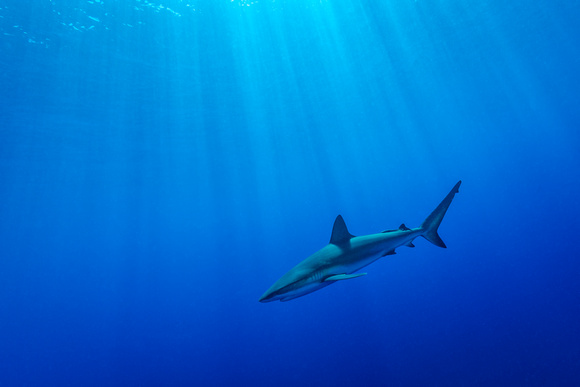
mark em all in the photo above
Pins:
pixel 346 254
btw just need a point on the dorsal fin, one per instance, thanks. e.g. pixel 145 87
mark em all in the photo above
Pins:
pixel 402 227
pixel 340 233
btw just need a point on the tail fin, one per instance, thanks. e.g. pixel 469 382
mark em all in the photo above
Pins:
pixel 431 224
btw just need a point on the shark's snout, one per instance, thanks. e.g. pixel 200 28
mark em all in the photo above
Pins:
pixel 266 297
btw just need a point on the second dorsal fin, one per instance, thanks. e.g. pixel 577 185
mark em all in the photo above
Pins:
pixel 340 233
pixel 402 227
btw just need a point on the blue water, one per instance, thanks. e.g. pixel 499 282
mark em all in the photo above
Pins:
pixel 162 163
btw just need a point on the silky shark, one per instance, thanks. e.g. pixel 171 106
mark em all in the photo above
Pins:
pixel 346 254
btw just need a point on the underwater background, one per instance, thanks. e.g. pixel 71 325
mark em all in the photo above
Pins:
pixel 163 163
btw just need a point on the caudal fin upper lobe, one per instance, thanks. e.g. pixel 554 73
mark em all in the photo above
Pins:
pixel 431 224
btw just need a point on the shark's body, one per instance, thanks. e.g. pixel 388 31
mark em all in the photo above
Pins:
pixel 346 254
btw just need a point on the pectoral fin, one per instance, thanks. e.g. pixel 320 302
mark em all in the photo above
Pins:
pixel 339 277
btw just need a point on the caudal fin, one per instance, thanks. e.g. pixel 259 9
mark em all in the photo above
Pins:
pixel 431 224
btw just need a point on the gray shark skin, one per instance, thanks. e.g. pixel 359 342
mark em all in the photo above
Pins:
pixel 346 254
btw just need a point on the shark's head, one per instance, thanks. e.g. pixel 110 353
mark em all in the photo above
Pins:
pixel 286 292
pixel 275 293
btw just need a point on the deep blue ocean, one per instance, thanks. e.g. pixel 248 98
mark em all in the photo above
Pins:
pixel 164 162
